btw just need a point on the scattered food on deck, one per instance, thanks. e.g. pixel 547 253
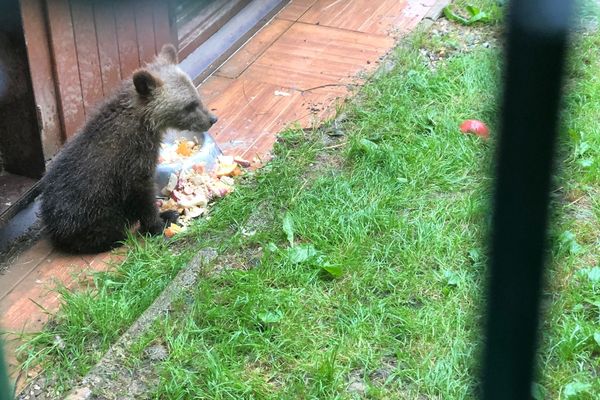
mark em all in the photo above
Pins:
pixel 190 191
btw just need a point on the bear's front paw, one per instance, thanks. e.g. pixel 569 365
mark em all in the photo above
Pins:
pixel 169 216
pixel 155 228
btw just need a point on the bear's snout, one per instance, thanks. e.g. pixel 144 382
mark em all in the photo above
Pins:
pixel 213 119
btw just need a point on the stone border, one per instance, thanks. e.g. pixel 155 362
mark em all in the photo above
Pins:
pixel 109 375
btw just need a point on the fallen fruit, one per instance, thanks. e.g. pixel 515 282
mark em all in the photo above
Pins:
pixel 227 170
pixel 173 230
pixel 475 127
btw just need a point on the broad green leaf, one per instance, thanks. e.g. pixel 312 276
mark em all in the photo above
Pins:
pixel 474 255
pixel 449 14
pixel 368 145
pixel 597 338
pixel 288 228
pixel 301 253
pixel 473 10
pixel 334 270
pixel 581 149
pixel 270 317
pixel 568 239
pixel 476 15
pixel 272 247
pixel 538 392
pixel 594 274
pixel 452 278
pixel 574 388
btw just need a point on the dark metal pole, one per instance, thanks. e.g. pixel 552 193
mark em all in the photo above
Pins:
pixel 536 49
pixel 5 391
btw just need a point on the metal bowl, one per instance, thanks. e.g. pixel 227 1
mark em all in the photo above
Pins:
pixel 209 151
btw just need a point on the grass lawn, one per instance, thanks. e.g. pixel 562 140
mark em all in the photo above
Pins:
pixel 353 266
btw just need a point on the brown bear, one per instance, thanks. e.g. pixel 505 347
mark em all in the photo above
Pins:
pixel 102 181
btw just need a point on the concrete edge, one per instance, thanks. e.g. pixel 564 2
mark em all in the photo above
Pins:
pixel 104 372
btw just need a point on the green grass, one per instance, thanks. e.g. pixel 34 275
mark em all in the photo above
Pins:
pixel 365 276
pixel 92 318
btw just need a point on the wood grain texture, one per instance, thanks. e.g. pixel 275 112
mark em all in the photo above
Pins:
pixel 213 87
pixel 309 56
pixel 144 24
pixel 108 47
pixel 245 56
pixel 84 28
pixel 65 64
pixel 164 29
pixel 295 9
pixel 37 38
pixel 368 16
pixel 127 37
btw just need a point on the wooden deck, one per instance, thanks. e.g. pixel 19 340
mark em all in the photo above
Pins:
pixel 294 71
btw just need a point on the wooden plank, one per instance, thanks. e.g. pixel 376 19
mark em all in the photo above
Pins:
pixel 126 37
pixel 310 56
pixel 82 13
pixel 213 87
pixel 206 58
pixel 231 103
pixel 144 24
pixel 108 47
pixel 19 312
pixel 245 56
pixel 25 262
pixel 66 67
pixel 164 30
pixel 381 17
pixel 42 77
pixel 295 9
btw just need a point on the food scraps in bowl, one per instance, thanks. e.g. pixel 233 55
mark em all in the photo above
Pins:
pixel 179 149
pixel 190 191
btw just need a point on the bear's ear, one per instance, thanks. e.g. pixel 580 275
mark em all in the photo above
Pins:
pixel 168 55
pixel 145 82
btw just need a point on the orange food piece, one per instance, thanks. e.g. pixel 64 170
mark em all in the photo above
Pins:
pixel 183 149
pixel 172 230
pixel 169 232
pixel 227 170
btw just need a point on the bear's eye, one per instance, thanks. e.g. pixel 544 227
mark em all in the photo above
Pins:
pixel 191 106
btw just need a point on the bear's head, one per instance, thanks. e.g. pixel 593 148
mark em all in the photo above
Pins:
pixel 168 95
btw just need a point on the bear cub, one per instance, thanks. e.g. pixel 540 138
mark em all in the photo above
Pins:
pixel 102 181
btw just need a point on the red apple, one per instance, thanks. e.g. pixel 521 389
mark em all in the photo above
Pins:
pixel 475 127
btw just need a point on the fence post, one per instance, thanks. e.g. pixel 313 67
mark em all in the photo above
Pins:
pixel 536 49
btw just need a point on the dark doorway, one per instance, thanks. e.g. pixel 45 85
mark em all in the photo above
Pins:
pixel 21 156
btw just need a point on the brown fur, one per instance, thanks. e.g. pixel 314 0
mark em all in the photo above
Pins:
pixel 101 183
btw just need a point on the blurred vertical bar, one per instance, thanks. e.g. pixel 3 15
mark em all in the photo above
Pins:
pixel 5 390
pixel 536 49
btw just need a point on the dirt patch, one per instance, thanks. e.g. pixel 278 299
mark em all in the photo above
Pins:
pixel 242 259
pixel 359 381
pixel 447 38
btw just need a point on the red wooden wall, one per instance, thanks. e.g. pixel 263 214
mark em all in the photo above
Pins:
pixel 79 50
